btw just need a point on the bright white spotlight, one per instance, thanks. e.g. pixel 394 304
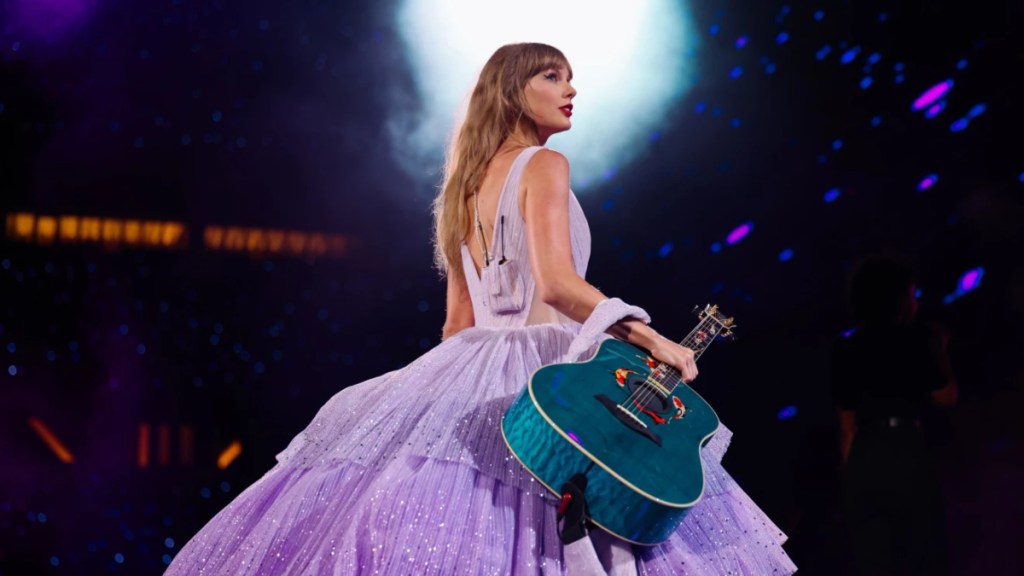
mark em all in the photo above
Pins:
pixel 631 62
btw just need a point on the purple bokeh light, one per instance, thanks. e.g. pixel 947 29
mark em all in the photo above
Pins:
pixel 932 94
pixel 971 279
pixel 739 233
pixel 927 182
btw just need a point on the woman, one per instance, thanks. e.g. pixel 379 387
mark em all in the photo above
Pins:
pixel 407 473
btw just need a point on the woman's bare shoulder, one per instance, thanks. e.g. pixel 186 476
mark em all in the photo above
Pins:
pixel 548 169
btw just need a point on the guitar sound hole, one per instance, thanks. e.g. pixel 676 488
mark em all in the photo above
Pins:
pixel 648 396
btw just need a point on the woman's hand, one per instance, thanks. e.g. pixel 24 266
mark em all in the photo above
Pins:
pixel 677 356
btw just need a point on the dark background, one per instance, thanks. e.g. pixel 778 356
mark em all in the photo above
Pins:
pixel 275 115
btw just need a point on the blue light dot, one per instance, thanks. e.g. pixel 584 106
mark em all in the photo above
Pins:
pixel 769 69
pixel 782 38
pixel 139 142
pixel 714 29
pixel 204 492
pixel 736 72
pixel 217 115
pixel 225 487
pixel 259 368
pixel 961 64
pixel 423 306
pixel 186 139
pixel 41 517
pixel 819 15
pixel 166 558
pixel 822 158
pixel 898 67
pixel 699 108
pixel 898 79
pixel 169 542
pixel 141 349
pixel 831 195
pixel 12 347
pixel 119 558
pixel 12 370
pixel 976 110
pixel 214 339
pixel 876 121
pixel 735 122
pixel 865 82
pixel 1020 177
pixel 837 144
pixel 823 52
pixel 51 355
pixel 264 24
pixel 787 413
pixel 741 41
pixel 716 247
pixel 786 255
pixel 54 561
pixel 665 249
pixel 874 58
pixel 850 55
pixel 123 329
pixel 959 126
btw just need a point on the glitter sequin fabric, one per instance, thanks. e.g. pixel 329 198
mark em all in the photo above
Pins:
pixel 407 473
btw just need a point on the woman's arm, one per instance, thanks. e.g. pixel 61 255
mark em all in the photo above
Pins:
pixel 459 309
pixel 546 211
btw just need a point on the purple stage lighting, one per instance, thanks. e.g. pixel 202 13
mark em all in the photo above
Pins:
pixel 935 109
pixel 927 182
pixel 831 195
pixel 931 95
pixel 787 413
pixel 739 233
pixel 971 279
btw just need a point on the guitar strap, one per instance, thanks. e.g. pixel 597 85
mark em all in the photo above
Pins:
pixel 606 313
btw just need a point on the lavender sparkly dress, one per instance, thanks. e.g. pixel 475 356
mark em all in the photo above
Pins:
pixel 407 473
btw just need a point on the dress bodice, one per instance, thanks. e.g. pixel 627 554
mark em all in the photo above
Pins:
pixel 504 292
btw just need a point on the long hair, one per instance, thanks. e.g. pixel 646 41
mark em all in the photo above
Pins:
pixel 497 107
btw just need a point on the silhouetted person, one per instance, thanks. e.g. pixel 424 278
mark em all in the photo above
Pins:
pixel 884 375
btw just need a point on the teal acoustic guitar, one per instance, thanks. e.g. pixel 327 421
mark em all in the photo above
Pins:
pixel 629 423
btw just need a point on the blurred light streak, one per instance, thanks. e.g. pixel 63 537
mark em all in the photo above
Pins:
pixel 739 233
pixel 163 445
pixel 931 95
pixel 51 440
pixel 142 454
pixel 927 182
pixel 186 444
pixel 228 455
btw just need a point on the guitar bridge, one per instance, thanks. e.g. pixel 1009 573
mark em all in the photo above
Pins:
pixel 629 420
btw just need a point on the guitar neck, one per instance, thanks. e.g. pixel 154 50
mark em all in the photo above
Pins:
pixel 712 324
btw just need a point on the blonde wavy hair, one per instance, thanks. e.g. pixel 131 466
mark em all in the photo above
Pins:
pixel 497 107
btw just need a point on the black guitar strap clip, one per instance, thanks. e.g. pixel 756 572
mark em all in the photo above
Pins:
pixel 572 510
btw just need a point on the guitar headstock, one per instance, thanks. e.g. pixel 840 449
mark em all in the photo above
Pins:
pixel 724 326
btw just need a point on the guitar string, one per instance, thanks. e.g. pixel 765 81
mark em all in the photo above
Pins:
pixel 695 341
pixel 649 388
pixel 646 390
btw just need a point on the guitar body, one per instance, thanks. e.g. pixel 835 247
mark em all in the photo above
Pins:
pixel 637 441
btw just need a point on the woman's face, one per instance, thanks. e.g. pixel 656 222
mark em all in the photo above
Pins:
pixel 549 100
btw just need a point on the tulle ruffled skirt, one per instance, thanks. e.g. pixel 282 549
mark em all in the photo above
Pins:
pixel 407 473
